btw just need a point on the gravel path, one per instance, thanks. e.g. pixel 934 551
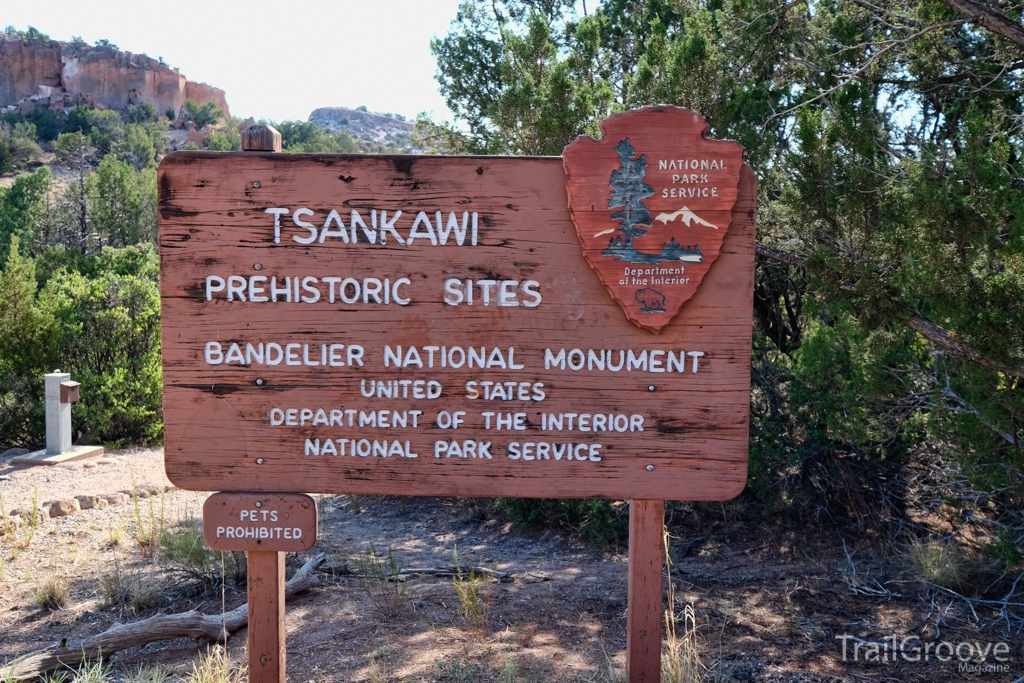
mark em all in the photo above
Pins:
pixel 112 472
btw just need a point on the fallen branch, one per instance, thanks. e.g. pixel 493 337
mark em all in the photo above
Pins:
pixel 191 624
pixel 923 326
pixel 455 571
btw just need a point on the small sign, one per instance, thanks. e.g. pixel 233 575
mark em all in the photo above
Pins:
pixel 260 521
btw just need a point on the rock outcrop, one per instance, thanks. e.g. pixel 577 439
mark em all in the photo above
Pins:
pixel 58 75
pixel 364 125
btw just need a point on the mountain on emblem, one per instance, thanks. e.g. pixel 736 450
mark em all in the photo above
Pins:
pixel 652 202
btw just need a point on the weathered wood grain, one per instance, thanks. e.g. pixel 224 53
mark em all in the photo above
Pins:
pixel 645 591
pixel 261 138
pixel 212 221
pixel 267 642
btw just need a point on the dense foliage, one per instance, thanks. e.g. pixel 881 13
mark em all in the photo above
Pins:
pixel 79 273
pixel 305 137
pixel 95 316
pixel 887 141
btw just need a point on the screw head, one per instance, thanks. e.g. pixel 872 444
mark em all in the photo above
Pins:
pixel 650 468
pixel 259 503
pixel 256 184
pixel 259 382
pixel 259 461
pixel 258 266
pixel 650 387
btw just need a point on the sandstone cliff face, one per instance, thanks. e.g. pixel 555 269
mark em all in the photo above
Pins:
pixel 57 75
pixel 23 70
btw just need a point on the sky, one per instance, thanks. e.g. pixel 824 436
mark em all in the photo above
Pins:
pixel 277 63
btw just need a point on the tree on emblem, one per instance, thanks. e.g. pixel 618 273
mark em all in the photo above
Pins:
pixel 628 192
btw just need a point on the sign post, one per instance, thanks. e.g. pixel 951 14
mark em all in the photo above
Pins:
pixel 575 326
pixel 266 526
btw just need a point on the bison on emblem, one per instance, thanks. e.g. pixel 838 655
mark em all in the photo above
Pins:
pixel 650 300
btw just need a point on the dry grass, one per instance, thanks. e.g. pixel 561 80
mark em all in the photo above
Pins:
pixel 938 563
pixel 380 577
pixel 131 592
pixel 469 588
pixel 378 671
pixel 30 522
pixel 216 667
pixel 681 661
pixel 53 593
pixel 148 524
pixel 148 674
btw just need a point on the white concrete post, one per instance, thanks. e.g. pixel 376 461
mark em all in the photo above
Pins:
pixel 58 416
pixel 58 425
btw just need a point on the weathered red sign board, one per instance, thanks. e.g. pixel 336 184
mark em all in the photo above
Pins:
pixel 280 522
pixel 430 326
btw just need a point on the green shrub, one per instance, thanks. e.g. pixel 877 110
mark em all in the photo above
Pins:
pixel 204 115
pixel 102 126
pixel 27 351
pixel 224 140
pixel 144 112
pixel 48 125
pixel 306 137
pixel 122 202
pixel 23 210
pixel 137 147
pixel 185 548
pixel 31 34
pixel 597 521
pixel 18 146
pixel 108 334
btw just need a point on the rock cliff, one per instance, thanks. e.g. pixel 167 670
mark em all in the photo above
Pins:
pixel 56 74
pixel 364 125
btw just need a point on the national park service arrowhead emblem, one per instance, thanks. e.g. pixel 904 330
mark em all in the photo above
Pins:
pixel 652 202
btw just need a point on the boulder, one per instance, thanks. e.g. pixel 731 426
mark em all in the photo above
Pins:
pixel 9 524
pixel 119 498
pixel 62 508
pixel 91 502
pixel 196 137
pixel 13 453
pixel 42 515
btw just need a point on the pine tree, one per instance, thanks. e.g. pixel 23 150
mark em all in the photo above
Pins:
pixel 628 192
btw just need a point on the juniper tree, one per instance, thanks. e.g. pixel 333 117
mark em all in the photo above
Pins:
pixel 628 192
pixel 888 140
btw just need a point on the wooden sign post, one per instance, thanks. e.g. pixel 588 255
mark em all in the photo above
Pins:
pixel 468 326
pixel 266 526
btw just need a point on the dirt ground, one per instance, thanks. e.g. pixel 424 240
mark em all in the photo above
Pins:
pixel 769 604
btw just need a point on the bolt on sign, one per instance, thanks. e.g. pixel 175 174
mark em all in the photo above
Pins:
pixel 473 326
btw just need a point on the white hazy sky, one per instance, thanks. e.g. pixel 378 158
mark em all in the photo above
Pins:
pixel 281 62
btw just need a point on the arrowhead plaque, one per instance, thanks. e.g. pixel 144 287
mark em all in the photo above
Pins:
pixel 652 202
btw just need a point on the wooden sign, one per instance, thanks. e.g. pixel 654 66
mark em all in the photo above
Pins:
pixel 260 521
pixel 652 203
pixel 430 326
